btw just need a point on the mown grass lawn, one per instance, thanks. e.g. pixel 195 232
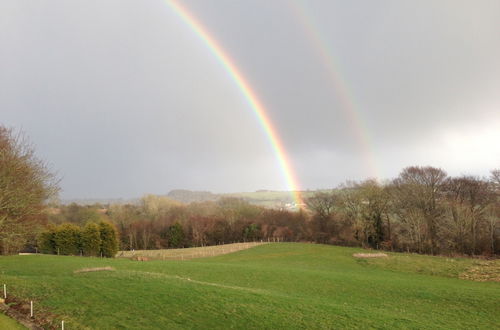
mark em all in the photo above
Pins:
pixel 282 285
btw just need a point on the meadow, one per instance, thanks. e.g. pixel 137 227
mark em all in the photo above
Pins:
pixel 270 286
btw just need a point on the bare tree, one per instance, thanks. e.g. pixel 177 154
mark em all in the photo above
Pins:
pixel 25 184
pixel 468 199
pixel 417 192
pixel 495 177
pixel 375 208
pixel 322 203
pixel 322 225
pixel 493 215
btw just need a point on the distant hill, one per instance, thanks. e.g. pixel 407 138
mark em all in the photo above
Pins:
pixel 188 196
pixel 264 198
pixel 103 201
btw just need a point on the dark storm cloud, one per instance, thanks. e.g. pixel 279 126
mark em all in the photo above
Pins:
pixel 123 98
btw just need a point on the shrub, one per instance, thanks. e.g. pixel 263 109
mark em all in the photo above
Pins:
pixel 91 239
pixel 46 242
pixel 109 239
pixel 67 239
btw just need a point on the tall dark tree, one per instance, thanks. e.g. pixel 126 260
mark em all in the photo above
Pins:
pixel 109 239
pixel 374 208
pixel 175 236
pixel 46 241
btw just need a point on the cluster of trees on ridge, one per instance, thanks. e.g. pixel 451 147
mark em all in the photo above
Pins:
pixel 422 210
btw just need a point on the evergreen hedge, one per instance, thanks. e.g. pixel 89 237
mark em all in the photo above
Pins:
pixel 95 239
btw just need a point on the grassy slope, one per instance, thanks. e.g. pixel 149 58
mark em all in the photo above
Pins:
pixel 8 323
pixel 268 198
pixel 282 285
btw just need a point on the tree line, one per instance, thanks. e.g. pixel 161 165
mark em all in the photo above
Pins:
pixel 422 210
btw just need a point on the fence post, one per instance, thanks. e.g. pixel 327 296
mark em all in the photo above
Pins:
pixel 31 308
pixel 5 291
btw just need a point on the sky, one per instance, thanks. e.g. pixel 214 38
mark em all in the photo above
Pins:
pixel 123 97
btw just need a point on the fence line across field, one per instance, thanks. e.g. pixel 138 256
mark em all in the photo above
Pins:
pixel 195 252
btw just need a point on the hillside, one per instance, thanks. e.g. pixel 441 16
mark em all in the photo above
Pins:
pixel 189 196
pixel 281 285
pixel 264 198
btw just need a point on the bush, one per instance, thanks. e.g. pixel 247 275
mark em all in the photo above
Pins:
pixel 91 240
pixel 67 238
pixel 46 242
pixel 109 239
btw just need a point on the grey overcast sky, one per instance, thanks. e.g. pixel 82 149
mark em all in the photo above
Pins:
pixel 122 98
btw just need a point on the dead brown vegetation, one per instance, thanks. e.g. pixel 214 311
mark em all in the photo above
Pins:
pixel 95 269
pixel 483 271
pixel 370 255
pixel 140 258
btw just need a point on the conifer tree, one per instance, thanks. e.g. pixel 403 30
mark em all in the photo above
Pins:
pixel 109 239
pixel 46 242
pixel 67 239
pixel 91 240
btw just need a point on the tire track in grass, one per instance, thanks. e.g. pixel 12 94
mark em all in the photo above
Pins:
pixel 189 280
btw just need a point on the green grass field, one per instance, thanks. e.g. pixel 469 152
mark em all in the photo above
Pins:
pixel 8 323
pixel 272 199
pixel 282 285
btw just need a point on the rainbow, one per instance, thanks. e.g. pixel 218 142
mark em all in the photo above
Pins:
pixel 248 94
pixel 339 85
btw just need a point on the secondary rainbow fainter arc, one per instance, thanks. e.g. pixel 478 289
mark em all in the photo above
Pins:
pixel 339 84
pixel 248 93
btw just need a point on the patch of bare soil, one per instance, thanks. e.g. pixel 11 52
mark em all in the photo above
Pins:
pixel 370 255
pixel 483 271
pixel 95 269
pixel 139 258
pixel 20 311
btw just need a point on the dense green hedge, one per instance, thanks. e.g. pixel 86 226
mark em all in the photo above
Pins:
pixel 95 239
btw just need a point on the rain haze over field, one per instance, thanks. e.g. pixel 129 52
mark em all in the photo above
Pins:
pixel 123 97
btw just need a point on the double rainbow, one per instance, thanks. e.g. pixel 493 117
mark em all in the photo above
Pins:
pixel 248 93
pixel 344 94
